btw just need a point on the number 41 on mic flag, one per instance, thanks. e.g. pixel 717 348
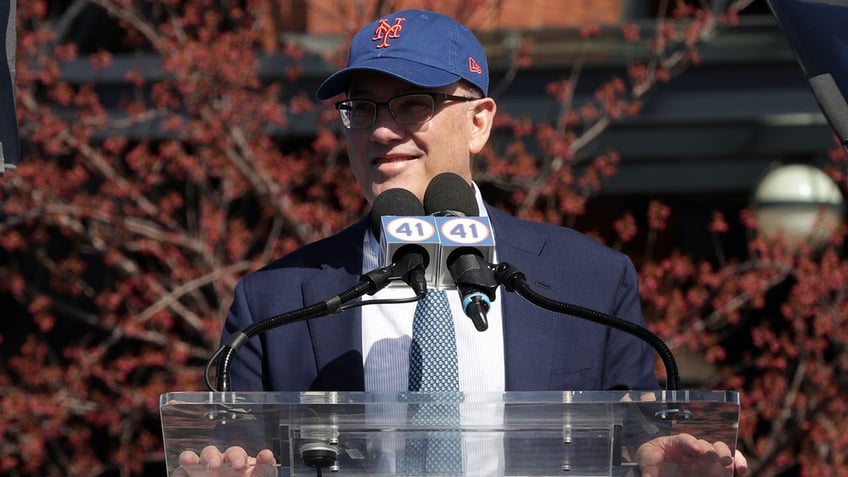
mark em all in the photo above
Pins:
pixel 439 236
pixel 462 233
pixel 403 231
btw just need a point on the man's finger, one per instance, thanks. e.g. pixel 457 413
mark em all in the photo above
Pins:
pixel 189 458
pixel 740 463
pixel 211 457
pixel 725 455
pixel 266 464
pixel 237 457
pixel 266 457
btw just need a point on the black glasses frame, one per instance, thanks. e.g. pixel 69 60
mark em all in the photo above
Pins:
pixel 345 106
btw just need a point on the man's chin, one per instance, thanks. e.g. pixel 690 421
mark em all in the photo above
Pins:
pixel 411 186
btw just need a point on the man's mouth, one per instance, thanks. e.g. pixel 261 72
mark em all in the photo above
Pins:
pixel 391 159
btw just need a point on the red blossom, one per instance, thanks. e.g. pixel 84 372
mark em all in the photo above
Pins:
pixel 718 223
pixel 561 91
pixel 589 31
pixel 631 32
pixel 658 214
pixel 626 228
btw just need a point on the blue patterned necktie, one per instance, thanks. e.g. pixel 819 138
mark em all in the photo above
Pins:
pixel 433 368
pixel 432 357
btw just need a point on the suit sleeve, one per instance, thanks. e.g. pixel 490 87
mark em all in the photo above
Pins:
pixel 630 360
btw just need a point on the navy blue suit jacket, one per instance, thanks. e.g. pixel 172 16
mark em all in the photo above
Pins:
pixel 543 350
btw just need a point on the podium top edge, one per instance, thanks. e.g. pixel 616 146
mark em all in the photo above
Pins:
pixel 509 397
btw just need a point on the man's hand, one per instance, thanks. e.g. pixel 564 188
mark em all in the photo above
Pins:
pixel 683 454
pixel 234 462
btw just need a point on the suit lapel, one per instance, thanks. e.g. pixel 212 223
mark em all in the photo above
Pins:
pixel 528 330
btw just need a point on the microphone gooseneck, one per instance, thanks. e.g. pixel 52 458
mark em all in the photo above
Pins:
pixel 225 354
pixel 514 280
pixel 448 194
pixel 409 263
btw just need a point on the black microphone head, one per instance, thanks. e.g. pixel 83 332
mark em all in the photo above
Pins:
pixel 393 202
pixel 448 194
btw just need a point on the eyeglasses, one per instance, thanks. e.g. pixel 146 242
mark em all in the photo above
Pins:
pixel 406 109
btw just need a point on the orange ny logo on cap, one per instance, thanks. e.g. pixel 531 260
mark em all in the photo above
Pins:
pixel 385 31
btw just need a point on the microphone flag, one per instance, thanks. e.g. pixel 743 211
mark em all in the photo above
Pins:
pixel 440 237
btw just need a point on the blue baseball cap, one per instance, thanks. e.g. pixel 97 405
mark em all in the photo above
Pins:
pixel 421 47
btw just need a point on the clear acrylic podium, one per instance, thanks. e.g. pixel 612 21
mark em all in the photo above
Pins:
pixel 569 433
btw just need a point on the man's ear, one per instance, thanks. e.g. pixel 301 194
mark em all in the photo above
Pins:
pixel 482 117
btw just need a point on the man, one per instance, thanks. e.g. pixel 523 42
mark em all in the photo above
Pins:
pixel 416 106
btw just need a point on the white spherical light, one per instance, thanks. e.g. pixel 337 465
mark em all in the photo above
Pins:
pixel 799 203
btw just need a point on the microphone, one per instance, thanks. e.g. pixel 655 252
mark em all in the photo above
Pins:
pixel 406 239
pixel 449 195
pixel 467 245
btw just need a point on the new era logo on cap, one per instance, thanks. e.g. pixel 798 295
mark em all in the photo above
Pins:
pixel 424 48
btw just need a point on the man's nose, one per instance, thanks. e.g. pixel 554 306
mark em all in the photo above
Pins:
pixel 385 124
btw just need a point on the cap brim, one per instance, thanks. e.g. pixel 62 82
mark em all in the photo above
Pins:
pixel 409 71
